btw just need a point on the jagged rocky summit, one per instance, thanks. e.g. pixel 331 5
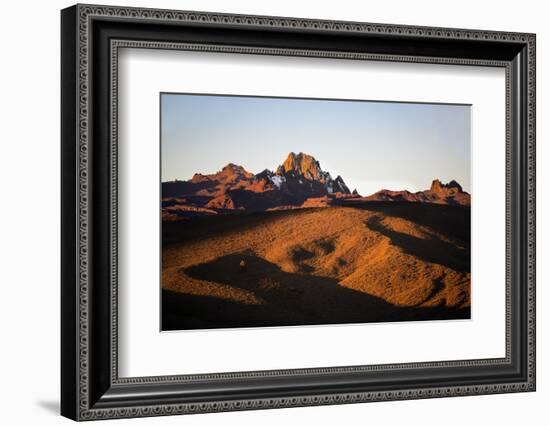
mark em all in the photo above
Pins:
pixel 299 178
pixel 298 182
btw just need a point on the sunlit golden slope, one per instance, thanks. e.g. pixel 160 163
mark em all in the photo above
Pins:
pixel 374 262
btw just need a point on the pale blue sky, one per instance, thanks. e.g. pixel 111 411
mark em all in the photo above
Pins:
pixel 372 145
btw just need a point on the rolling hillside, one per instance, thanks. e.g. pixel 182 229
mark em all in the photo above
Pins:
pixel 366 262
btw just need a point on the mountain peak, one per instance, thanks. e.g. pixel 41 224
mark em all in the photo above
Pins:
pixel 340 185
pixel 233 166
pixel 303 164
pixel 232 169
pixel 452 187
pixel 304 168
pixel 298 179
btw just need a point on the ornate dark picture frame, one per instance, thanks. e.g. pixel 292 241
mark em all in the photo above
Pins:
pixel 90 385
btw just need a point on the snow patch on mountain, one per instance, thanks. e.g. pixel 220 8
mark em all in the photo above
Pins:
pixel 277 180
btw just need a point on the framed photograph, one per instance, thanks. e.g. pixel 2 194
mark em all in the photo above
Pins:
pixel 290 244
pixel 263 212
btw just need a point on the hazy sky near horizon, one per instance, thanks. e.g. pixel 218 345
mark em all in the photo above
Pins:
pixel 372 145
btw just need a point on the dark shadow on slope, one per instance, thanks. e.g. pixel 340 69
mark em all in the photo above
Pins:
pixel 185 188
pixel 289 299
pixel 204 227
pixel 438 287
pixel 452 221
pixel 431 250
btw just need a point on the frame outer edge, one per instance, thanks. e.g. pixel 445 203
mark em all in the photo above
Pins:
pixel 83 13
pixel 69 192
pixel 531 200
pixel 83 206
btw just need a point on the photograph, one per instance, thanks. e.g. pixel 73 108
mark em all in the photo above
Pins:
pixel 294 211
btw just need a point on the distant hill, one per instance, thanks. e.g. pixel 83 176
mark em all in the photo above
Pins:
pixel 439 193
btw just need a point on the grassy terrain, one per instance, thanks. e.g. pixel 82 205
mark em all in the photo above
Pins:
pixel 368 262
